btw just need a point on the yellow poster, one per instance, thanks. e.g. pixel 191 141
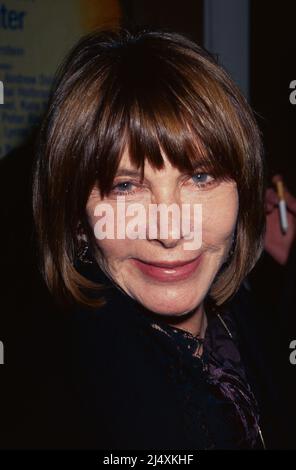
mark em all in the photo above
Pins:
pixel 34 37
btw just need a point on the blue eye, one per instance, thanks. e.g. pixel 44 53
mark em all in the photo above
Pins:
pixel 202 179
pixel 123 188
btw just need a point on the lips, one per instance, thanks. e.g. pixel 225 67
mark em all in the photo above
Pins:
pixel 168 271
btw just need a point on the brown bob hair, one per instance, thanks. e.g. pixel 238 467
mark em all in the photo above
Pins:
pixel 142 89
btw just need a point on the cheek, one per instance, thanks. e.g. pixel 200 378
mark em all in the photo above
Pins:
pixel 112 249
pixel 115 250
pixel 220 216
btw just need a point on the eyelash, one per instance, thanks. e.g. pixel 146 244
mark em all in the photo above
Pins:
pixel 199 185
pixel 204 184
pixel 122 192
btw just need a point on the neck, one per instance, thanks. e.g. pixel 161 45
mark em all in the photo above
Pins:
pixel 195 322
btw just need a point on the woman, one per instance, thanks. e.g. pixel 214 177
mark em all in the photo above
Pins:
pixel 142 120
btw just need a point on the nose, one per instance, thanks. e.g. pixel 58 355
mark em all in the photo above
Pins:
pixel 165 218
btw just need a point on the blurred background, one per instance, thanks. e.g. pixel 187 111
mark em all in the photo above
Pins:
pixel 254 41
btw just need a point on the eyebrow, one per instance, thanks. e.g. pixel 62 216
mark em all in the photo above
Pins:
pixel 129 172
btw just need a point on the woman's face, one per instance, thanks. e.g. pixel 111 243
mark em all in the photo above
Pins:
pixel 136 263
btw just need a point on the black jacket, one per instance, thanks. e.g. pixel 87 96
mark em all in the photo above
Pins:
pixel 127 401
pixel 98 382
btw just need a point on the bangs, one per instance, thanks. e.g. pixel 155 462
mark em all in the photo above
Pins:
pixel 185 117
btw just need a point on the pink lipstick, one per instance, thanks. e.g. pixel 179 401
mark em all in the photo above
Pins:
pixel 168 271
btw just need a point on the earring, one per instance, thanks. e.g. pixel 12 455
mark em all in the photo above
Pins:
pixel 83 253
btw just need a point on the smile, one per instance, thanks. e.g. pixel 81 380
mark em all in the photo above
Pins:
pixel 165 271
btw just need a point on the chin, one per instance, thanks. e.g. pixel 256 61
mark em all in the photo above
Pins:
pixel 171 307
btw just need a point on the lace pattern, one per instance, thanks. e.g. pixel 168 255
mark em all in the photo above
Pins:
pixel 220 371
